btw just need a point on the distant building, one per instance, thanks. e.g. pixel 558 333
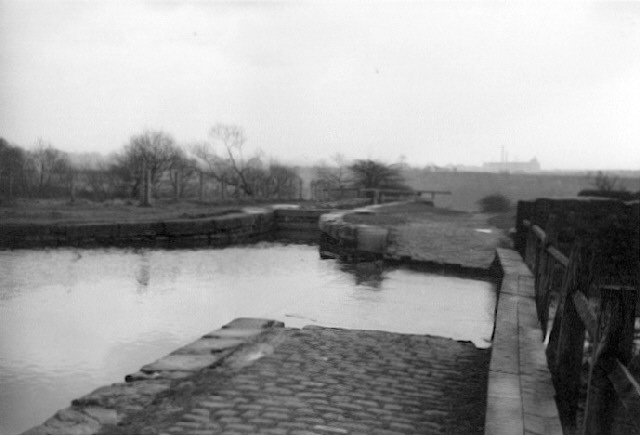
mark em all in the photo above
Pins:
pixel 531 166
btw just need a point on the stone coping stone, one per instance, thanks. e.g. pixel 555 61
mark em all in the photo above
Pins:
pixel 181 363
pixel 284 207
pixel 255 210
pixel 207 346
pixel 165 375
pixel 371 238
pixel 520 395
pixel 118 395
pixel 253 323
pixel 234 333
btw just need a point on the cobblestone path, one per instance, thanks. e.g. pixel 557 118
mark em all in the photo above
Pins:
pixel 328 381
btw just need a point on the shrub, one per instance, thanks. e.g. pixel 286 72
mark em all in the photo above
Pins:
pixel 496 203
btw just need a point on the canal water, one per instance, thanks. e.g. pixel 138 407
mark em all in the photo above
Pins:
pixel 74 320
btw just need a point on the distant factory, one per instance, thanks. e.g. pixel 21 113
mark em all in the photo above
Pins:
pixel 504 165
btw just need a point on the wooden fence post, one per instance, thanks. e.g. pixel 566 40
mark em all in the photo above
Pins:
pixel 544 279
pixel 300 187
pixel 146 185
pixel 614 341
pixel 72 188
pixel 201 186
pixel 176 185
pixel 566 349
pixel 569 358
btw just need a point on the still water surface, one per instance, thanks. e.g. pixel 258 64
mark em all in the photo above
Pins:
pixel 74 320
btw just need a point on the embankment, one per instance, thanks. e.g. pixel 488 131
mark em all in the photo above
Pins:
pixel 217 231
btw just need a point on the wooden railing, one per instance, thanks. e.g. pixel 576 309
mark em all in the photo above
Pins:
pixel 602 306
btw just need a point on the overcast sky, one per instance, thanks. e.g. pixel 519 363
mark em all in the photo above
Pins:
pixel 435 82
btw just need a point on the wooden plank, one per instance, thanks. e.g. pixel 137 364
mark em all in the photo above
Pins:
pixel 432 192
pixel 586 314
pixel 616 287
pixel 627 388
pixel 569 359
pixel 558 256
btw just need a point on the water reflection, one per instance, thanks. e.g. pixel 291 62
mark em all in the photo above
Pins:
pixel 143 274
pixel 369 274
pixel 73 320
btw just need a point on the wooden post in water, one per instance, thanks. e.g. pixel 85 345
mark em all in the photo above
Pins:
pixel 614 341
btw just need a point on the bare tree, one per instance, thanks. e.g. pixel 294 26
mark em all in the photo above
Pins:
pixel 181 171
pixel 232 139
pixel 12 164
pixel 374 174
pixel 334 175
pixel 50 166
pixel 226 160
pixel 281 181
pixel 152 151
pixel 604 182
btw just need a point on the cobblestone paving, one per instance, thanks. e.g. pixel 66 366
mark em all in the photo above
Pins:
pixel 327 381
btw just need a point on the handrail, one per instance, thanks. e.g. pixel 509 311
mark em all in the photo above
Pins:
pixel 586 314
pixel 612 369
pixel 539 232
pixel 626 386
pixel 558 256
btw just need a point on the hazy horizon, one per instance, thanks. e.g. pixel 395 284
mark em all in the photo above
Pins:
pixel 427 82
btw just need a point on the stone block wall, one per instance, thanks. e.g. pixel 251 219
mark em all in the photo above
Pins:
pixel 340 239
pixel 297 224
pixel 218 231
pixel 215 231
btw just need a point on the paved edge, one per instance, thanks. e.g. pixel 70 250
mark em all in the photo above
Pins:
pixel 237 343
pixel 520 394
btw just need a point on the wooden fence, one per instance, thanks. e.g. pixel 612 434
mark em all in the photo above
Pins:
pixel 584 258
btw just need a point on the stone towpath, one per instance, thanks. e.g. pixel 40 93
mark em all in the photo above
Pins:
pixel 328 381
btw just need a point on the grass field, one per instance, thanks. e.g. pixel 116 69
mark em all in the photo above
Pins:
pixel 82 211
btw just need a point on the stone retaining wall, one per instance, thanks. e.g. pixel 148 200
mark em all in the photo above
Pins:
pixel 298 224
pixel 228 229
pixel 236 344
pixel 339 239
pixel 214 231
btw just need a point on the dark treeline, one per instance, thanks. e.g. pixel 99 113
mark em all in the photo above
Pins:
pixel 153 165
pixel 151 160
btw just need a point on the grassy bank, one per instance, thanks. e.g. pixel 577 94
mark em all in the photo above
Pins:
pixel 57 211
